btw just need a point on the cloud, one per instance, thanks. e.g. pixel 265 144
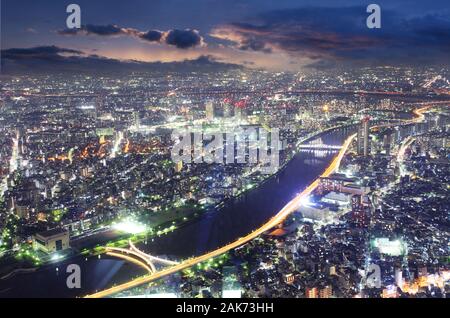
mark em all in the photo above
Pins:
pixel 41 52
pixel 53 59
pixel 101 30
pixel 152 36
pixel 341 34
pixel 182 39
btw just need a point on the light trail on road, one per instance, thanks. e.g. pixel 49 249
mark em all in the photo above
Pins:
pixel 130 259
pixel 151 257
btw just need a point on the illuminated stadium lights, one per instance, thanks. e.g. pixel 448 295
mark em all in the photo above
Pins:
pixel 130 226
pixel 391 248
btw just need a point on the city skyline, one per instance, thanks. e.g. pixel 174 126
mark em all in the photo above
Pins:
pixel 224 149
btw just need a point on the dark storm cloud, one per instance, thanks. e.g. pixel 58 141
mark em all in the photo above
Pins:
pixel 342 34
pixel 182 39
pixel 41 52
pixel 152 36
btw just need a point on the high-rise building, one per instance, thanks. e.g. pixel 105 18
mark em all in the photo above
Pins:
pixel 326 292
pixel 136 120
pixel 311 293
pixel 227 108
pixel 399 277
pixel 363 138
pixel 387 141
pixel 209 110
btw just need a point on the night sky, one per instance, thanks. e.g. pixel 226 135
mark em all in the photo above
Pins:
pixel 278 35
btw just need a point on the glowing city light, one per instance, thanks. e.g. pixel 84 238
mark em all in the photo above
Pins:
pixel 305 201
pixel 129 226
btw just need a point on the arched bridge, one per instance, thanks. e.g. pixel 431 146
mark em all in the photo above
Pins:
pixel 136 256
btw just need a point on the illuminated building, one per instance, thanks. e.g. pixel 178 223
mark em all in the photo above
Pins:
pixel 231 288
pixel 340 183
pixel 22 211
pixel 338 198
pixel 326 292
pixel 209 110
pixel 136 120
pixel 179 166
pixel 387 142
pixel 317 211
pixel 312 293
pixel 52 240
pixel 390 247
pixel 399 277
pixel 227 108
pixel 333 271
pixel 289 278
pixel 360 211
pixel 363 138
pixel 104 131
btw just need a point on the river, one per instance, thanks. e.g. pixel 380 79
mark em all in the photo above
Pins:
pixel 212 230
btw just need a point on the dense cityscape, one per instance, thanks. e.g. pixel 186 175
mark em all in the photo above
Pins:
pixel 206 178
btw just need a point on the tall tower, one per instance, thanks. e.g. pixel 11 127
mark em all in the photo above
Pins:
pixel 387 141
pixel 363 138
pixel 209 110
